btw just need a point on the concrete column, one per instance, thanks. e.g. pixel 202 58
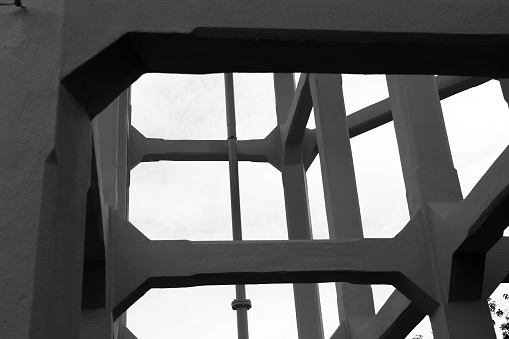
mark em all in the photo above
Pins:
pixel 45 152
pixel 462 320
pixel 111 129
pixel 307 301
pixel 430 178
pixel 122 179
pixel 426 159
pixel 355 302
pixel 97 323
pixel 123 173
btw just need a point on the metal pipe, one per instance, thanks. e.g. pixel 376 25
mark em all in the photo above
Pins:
pixel 240 304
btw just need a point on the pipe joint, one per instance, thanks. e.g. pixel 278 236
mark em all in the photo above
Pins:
pixel 241 303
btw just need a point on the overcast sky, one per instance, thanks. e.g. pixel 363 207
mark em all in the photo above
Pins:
pixel 190 200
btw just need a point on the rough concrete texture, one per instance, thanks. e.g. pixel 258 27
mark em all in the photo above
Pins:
pixel 45 172
pixel 63 62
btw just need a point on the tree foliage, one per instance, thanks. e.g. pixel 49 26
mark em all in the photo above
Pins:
pixel 500 313
pixel 496 311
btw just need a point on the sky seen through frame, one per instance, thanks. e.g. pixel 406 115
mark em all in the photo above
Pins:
pixel 190 200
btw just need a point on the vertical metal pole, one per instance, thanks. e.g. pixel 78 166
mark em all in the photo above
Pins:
pixel 240 304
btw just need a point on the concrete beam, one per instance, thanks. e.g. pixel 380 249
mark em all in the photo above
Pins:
pixel 93 293
pixel 472 229
pixel 291 107
pixel 110 134
pixel 355 303
pixel 380 113
pixel 96 324
pixel 428 169
pixel 395 320
pixel 459 320
pixel 144 149
pixel 140 264
pixel 496 269
pixel 504 86
pixel 125 333
pixel 481 218
pixel 295 125
pixel 340 188
pixel 309 147
pixel 345 331
pixel 319 37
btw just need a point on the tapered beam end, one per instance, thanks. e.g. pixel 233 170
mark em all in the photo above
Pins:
pixel 136 149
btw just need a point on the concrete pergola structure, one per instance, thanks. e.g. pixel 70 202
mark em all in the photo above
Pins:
pixel 71 262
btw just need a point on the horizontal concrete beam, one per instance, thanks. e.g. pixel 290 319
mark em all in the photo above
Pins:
pixel 141 264
pixel 144 149
pixel 282 36
pixel 351 21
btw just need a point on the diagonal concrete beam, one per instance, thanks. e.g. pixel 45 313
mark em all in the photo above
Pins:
pixel 144 149
pixel 395 320
pixel 473 229
pixel 380 113
pixel 298 116
pixel 481 218
pixel 309 147
pixel 140 264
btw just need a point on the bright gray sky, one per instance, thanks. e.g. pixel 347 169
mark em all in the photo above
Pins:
pixel 190 200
